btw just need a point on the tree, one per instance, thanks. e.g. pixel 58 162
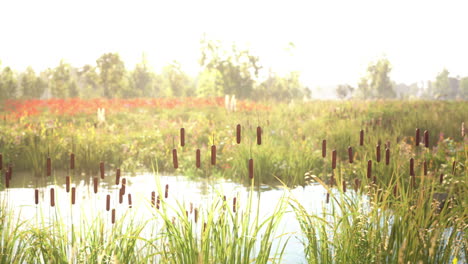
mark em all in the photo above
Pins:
pixel 176 82
pixel 464 88
pixel 210 83
pixel 111 74
pixel 32 85
pixel 141 81
pixel 8 84
pixel 442 85
pixel 61 84
pixel 88 82
pixel 343 90
pixel 377 83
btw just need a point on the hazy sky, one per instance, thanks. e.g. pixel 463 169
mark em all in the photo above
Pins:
pixel 335 40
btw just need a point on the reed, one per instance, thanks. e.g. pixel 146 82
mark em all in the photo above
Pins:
pixel 175 160
pixel 251 169
pixel 377 151
pixel 101 169
pixel 52 197
pixel 67 184
pixel 182 137
pixel 361 137
pixel 324 148
pixel 238 133
pixel 117 176
pixel 213 155
pixel 426 138
pixel 108 198
pixel 259 135
pixel 350 154
pixel 49 167
pixel 369 169
pixel 197 158
pixel 72 161
pixel 417 138
pixel 36 196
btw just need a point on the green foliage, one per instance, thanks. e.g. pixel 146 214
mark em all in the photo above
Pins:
pixel 377 83
pixel 112 75
pixel 32 85
pixel 62 85
pixel 8 84
pixel 176 82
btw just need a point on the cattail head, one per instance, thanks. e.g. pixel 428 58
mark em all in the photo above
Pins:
pixel 259 135
pixel 117 177
pixel 369 169
pixel 95 184
pixel 101 169
pixel 426 138
pixel 387 156
pixel 357 184
pixel 182 137
pixel 1 161
pixel 350 154
pixel 72 161
pixel 195 215
pixel 197 159
pixel 328 197
pixel 213 155
pixel 166 192
pixel 377 150
pixel 441 178
pixel 121 195
pixel 417 137
pixel 129 200
pixel 113 216
pixel 251 169
pixel 158 201
pixel 153 198
pixel 108 202
pixel 324 148
pixel 412 167
pixel 234 201
pixel 454 166
pixel 395 190
pixel 425 168
pixel 344 186
pixel 238 133
pixel 73 195
pixel 49 166
pixel 334 159
pixel 36 196
pixel 52 197
pixel 67 184
pixel 361 138
pixel 10 172
pixel 174 159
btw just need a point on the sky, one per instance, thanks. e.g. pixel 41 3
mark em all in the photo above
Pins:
pixel 334 40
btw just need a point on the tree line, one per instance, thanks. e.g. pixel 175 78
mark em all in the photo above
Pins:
pixel 223 71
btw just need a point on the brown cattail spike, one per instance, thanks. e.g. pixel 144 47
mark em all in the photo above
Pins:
pixel 361 138
pixel 441 178
pixel 52 197
pixel 36 196
pixel 117 177
pixel 426 138
pixel 412 167
pixel 121 195
pixel 101 169
pixel 95 184
pixel 350 154
pixel 158 201
pixel 67 184
pixel 357 184
pixel 425 168
pixel 153 198
pixel 234 200
pixel 49 166
pixel 182 137
pixel 387 156
pixel 344 186
pixel 113 216
pixel 324 148
pixel 238 133
pixel 251 169
pixel 417 137
pixel 72 161
pixel 369 169
pixel 395 190
pixel 73 195
pixel 129 200
pixel 334 159
pixel 195 215
pixel 377 150
pixel 174 159
pixel 328 197
pixel 213 155
pixel 166 192
pixel 197 159
pixel 1 161
pixel 108 202
pixel 259 135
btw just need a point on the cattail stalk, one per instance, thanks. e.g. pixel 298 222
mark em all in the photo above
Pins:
pixel 67 184
pixel 95 184
pixel 73 195
pixel 213 155
pixel 324 148
pixel 377 150
pixel 259 135
pixel 369 169
pixel 7 180
pixel 426 138
pixel 334 159
pixel 197 159
pixel 238 133
pixel 387 156
pixel 36 196
pixel 108 202
pixel 72 161
pixel 361 138
pixel 182 137
pixel 251 169
pixel 174 158
pixel 117 177
pixel 10 171
pixel 52 197
pixel 101 169
pixel 49 166
pixel 350 154
pixel 417 138
pixel 412 167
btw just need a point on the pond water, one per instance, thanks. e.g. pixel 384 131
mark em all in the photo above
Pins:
pixel 200 192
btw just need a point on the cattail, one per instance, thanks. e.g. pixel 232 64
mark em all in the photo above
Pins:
pixel 204 227
pixel 174 159
pixel 7 180
pixel 73 195
pixel 10 172
pixel 344 186
pixel 197 158
pixel 361 138
pixel 328 197
pixel 1 161
pixel 121 195
pixel 117 177
pixel 324 148
pixel 411 167
pixel 350 154
pixel 377 150
pixel 123 188
pixel 425 168
pixel 158 201
pixel 374 180
pixel 153 198
pixel 395 190
pixel 454 165
pixel 186 213
pixel 251 169
pixel 67 184
pixel 52 197
pixel 387 156
pixel 72 161
pixel 108 202
pixel 234 200
pixel 95 184
pixel 441 178
pixel 426 138
pixel 49 167
pixel 129 200
pixel 369 169
pixel 334 159
pixel 101 169
pixel 195 215
pixel 357 184
pixel 213 155
pixel 417 138
pixel 238 133
pixel 259 135
pixel 36 196
pixel 113 216
pixel 182 137
pixel 388 144
pixel 166 192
